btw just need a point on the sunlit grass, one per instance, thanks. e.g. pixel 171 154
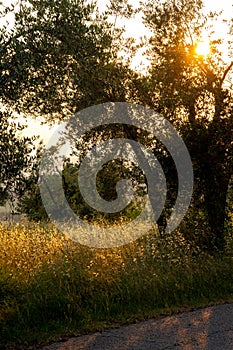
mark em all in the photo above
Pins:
pixel 51 285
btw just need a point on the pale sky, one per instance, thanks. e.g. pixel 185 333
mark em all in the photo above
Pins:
pixel 135 28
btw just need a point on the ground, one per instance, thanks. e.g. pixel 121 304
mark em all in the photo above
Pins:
pixel 210 328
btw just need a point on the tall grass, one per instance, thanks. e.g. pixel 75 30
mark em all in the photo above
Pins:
pixel 50 285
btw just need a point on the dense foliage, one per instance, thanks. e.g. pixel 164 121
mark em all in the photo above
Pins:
pixel 63 56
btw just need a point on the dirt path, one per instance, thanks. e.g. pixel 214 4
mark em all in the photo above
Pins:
pixel 210 328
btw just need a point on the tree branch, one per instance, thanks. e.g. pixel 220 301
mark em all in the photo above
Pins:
pixel 225 73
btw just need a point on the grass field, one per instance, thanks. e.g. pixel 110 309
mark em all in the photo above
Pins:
pixel 52 287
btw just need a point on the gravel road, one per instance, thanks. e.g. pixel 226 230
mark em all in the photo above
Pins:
pixel 210 328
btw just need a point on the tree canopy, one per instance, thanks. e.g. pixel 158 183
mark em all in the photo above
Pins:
pixel 191 92
pixel 63 56
pixel 16 150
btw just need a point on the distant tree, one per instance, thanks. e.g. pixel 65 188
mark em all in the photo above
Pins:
pixel 29 201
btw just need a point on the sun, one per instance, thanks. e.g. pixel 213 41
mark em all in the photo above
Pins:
pixel 203 48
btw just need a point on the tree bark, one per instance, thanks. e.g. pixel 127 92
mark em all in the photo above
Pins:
pixel 216 188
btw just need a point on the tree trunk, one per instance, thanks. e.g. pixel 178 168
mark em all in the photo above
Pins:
pixel 216 188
